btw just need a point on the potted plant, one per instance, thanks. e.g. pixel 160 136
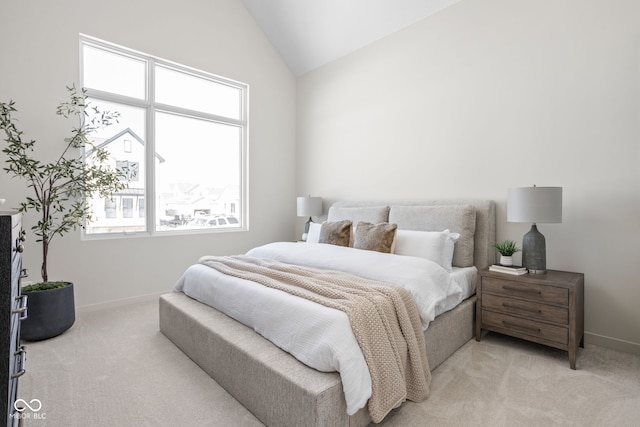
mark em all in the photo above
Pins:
pixel 506 248
pixel 61 189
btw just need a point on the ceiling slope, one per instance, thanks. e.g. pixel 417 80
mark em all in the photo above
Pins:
pixel 311 33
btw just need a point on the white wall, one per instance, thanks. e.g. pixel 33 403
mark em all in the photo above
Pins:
pixel 40 56
pixel 488 95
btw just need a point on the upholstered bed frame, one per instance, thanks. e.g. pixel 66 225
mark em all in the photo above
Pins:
pixel 277 388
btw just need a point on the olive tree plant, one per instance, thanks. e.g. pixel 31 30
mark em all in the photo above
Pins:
pixel 62 187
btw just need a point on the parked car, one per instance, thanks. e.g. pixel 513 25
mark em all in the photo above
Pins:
pixel 218 221
pixel 222 221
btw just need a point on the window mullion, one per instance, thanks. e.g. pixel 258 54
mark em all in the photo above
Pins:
pixel 150 149
pixel 116 98
pixel 197 114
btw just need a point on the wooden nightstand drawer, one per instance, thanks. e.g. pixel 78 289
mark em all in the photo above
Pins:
pixel 530 291
pixel 544 308
pixel 528 327
pixel 533 310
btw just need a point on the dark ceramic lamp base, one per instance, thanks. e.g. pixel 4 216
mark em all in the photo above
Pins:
pixel 534 252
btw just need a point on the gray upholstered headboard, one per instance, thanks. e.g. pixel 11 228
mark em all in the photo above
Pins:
pixel 406 213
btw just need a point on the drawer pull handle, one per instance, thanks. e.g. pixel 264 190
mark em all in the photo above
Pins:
pixel 18 374
pixel 526 328
pixel 523 290
pixel 22 351
pixel 22 309
pixel 517 307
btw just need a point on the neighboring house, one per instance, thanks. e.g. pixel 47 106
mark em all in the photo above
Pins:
pixel 125 211
pixel 229 201
pixel 177 203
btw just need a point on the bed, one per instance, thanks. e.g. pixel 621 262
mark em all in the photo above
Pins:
pixel 275 386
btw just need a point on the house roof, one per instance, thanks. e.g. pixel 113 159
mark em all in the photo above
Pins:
pixel 120 135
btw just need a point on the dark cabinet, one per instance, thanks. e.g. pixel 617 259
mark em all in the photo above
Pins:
pixel 13 308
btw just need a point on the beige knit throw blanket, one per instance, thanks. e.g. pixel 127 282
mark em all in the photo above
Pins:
pixel 384 319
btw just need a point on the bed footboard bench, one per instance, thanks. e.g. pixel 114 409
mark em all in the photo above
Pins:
pixel 277 388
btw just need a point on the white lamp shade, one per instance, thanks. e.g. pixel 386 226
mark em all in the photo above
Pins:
pixel 309 206
pixel 535 204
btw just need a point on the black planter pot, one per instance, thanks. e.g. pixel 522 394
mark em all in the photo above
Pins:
pixel 49 313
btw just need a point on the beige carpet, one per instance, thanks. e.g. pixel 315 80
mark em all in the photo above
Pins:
pixel 114 368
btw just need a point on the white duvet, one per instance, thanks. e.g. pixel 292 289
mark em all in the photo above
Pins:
pixel 319 336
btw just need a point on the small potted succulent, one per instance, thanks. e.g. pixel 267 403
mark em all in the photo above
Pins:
pixel 506 248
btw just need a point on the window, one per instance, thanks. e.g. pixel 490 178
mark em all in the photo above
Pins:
pixel 110 208
pixel 181 143
pixel 127 207
pixel 141 211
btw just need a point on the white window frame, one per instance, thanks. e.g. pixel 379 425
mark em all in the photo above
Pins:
pixel 151 107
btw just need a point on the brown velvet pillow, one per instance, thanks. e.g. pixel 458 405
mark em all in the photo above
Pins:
pixel 375 237
pixel 335 233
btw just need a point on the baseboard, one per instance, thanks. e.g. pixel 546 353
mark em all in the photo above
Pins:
pixel 118 303
pixel 612 343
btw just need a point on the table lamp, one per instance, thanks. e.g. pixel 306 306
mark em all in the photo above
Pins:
pixel 534 205
pixel 309 206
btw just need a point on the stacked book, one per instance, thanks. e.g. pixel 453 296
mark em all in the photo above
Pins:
pixel 509 269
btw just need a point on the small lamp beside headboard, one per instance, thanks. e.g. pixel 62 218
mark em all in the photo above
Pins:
pixel 308 206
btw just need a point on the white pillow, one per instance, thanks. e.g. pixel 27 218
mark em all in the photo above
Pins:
pixel 313 236
pixel 436 246
pixel 449 246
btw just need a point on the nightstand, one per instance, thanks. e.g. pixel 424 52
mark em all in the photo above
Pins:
pixel 544 308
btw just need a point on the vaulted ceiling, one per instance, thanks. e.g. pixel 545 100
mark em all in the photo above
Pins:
pixel 311 33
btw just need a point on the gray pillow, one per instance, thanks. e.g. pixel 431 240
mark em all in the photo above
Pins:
pixel 457 218
pixel 372 214
pixel 335 233
pixel 378 237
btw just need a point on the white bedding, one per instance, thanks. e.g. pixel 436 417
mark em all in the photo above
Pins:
pixel 319 336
